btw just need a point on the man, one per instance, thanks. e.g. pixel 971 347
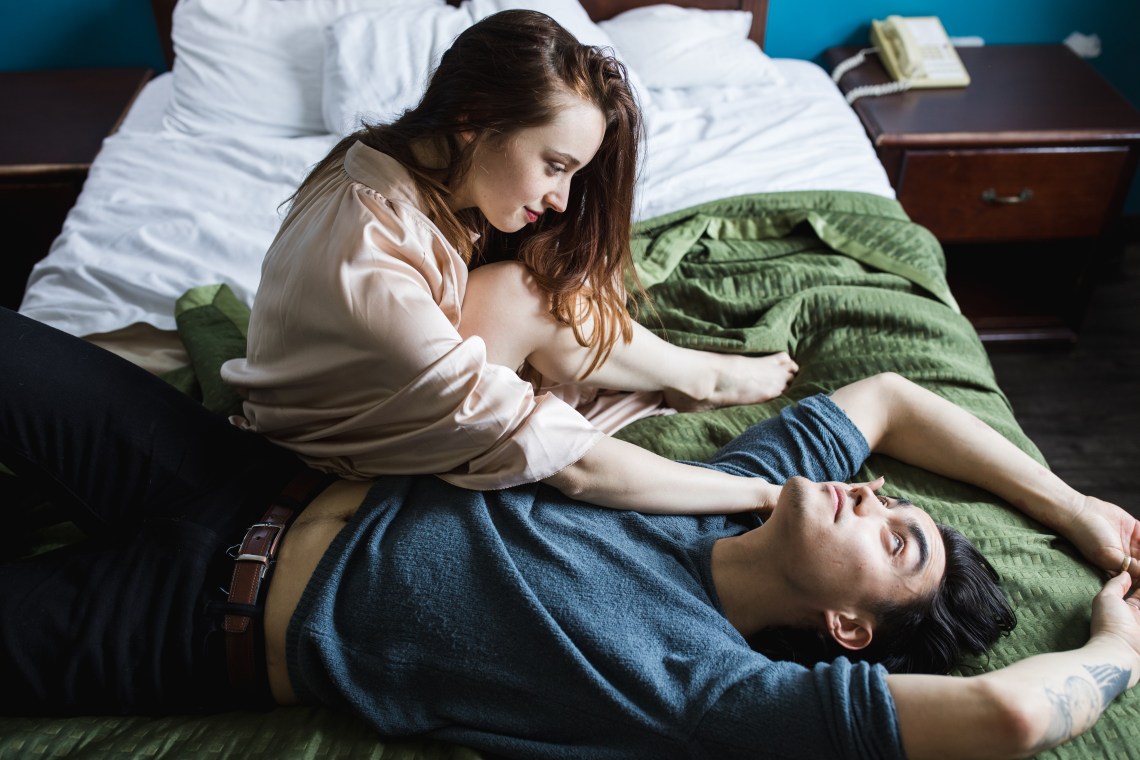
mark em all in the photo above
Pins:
pixel 530 625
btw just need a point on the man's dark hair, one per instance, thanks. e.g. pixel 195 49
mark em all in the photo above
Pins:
pixel 965 615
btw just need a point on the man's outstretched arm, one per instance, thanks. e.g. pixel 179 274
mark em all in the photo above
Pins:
pixel 911 424
pixel 1032 705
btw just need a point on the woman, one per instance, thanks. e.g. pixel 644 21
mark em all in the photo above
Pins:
pixel 372 348
pixel 488 618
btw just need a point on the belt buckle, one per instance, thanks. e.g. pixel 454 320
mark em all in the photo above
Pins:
pixel 270 545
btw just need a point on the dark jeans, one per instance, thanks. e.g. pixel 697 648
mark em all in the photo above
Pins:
pixel 161 487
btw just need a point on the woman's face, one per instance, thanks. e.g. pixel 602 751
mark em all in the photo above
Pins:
pixel 858 548
pixel 514 181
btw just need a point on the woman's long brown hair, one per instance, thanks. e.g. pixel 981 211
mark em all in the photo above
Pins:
pixel 507 73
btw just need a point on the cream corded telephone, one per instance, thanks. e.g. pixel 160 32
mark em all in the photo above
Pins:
pixel 916 53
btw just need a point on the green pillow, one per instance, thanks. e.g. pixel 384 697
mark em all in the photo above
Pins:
pixel 213 324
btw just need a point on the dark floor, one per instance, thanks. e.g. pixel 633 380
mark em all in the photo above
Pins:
pixel 1081 405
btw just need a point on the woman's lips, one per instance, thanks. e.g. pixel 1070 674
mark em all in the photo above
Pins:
pixel 531 216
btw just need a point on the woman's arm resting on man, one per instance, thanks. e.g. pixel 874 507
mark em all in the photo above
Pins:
pixel 913 425
pixel 624 476
pixel 1032 705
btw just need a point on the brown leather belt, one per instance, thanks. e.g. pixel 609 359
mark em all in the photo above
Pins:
pixel 253 565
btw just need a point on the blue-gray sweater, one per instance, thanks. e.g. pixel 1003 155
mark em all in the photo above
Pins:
pixel 529 625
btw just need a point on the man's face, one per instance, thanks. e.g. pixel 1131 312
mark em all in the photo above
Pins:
pixel 855 548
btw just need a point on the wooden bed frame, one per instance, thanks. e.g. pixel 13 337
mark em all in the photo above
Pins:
pixel 599 10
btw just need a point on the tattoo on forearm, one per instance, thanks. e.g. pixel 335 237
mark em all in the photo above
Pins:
pixel 1074 697
pixel 1079 703
pixel 1111 679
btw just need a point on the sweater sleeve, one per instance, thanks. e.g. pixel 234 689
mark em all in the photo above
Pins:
pixel 834 710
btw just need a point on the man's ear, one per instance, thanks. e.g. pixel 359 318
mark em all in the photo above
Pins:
pixel 850 630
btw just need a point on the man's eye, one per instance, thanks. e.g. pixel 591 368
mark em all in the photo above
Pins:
pixel 883 500
pixel 897 542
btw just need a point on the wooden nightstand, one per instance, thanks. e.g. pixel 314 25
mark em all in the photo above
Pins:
pixel 1021 175
pixel 54 124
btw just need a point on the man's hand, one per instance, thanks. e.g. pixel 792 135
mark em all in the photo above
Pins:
pixel 1117 613
pixel 1107 536
pixel 1029 706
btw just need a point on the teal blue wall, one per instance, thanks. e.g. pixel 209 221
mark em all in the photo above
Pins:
pixel 84 33
pixel 60 34
pixel 834 22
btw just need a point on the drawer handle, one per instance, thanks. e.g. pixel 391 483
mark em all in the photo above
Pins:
pixel 990 196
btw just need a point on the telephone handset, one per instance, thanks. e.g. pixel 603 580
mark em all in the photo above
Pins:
pixel 918 49
pixel 915 51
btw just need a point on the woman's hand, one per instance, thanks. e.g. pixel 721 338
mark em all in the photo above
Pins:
pixel 1107 536
pixel 874 485
pixel 769 500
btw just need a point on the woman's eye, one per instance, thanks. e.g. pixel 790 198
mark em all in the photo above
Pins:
pixel 556 168
pixel 883 500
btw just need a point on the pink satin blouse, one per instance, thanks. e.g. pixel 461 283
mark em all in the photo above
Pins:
pixel 354 360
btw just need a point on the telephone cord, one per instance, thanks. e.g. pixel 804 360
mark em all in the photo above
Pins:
pixel 855 60
pixel 871 89
pixel 877 89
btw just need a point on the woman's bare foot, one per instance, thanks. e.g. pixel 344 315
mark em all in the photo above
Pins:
pixel 737 380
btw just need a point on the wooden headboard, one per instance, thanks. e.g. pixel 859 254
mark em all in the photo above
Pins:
pixel 599 10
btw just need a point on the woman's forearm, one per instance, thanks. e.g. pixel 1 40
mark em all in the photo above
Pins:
pixel 621 475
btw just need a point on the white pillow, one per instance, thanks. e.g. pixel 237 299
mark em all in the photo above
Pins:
pixel 253 67
pixel 671 46
pixel 377 63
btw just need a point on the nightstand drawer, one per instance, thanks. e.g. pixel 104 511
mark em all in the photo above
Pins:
pixel 1013 194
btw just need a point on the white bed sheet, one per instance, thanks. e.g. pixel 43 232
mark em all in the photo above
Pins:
pixel 162 212
pixel 710 143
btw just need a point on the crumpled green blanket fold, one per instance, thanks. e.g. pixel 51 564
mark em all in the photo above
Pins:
pixel 842 281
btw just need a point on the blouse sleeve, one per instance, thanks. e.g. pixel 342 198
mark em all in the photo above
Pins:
pixel 355 361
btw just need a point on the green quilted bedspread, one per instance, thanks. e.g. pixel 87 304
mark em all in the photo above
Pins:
pixel 842 281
